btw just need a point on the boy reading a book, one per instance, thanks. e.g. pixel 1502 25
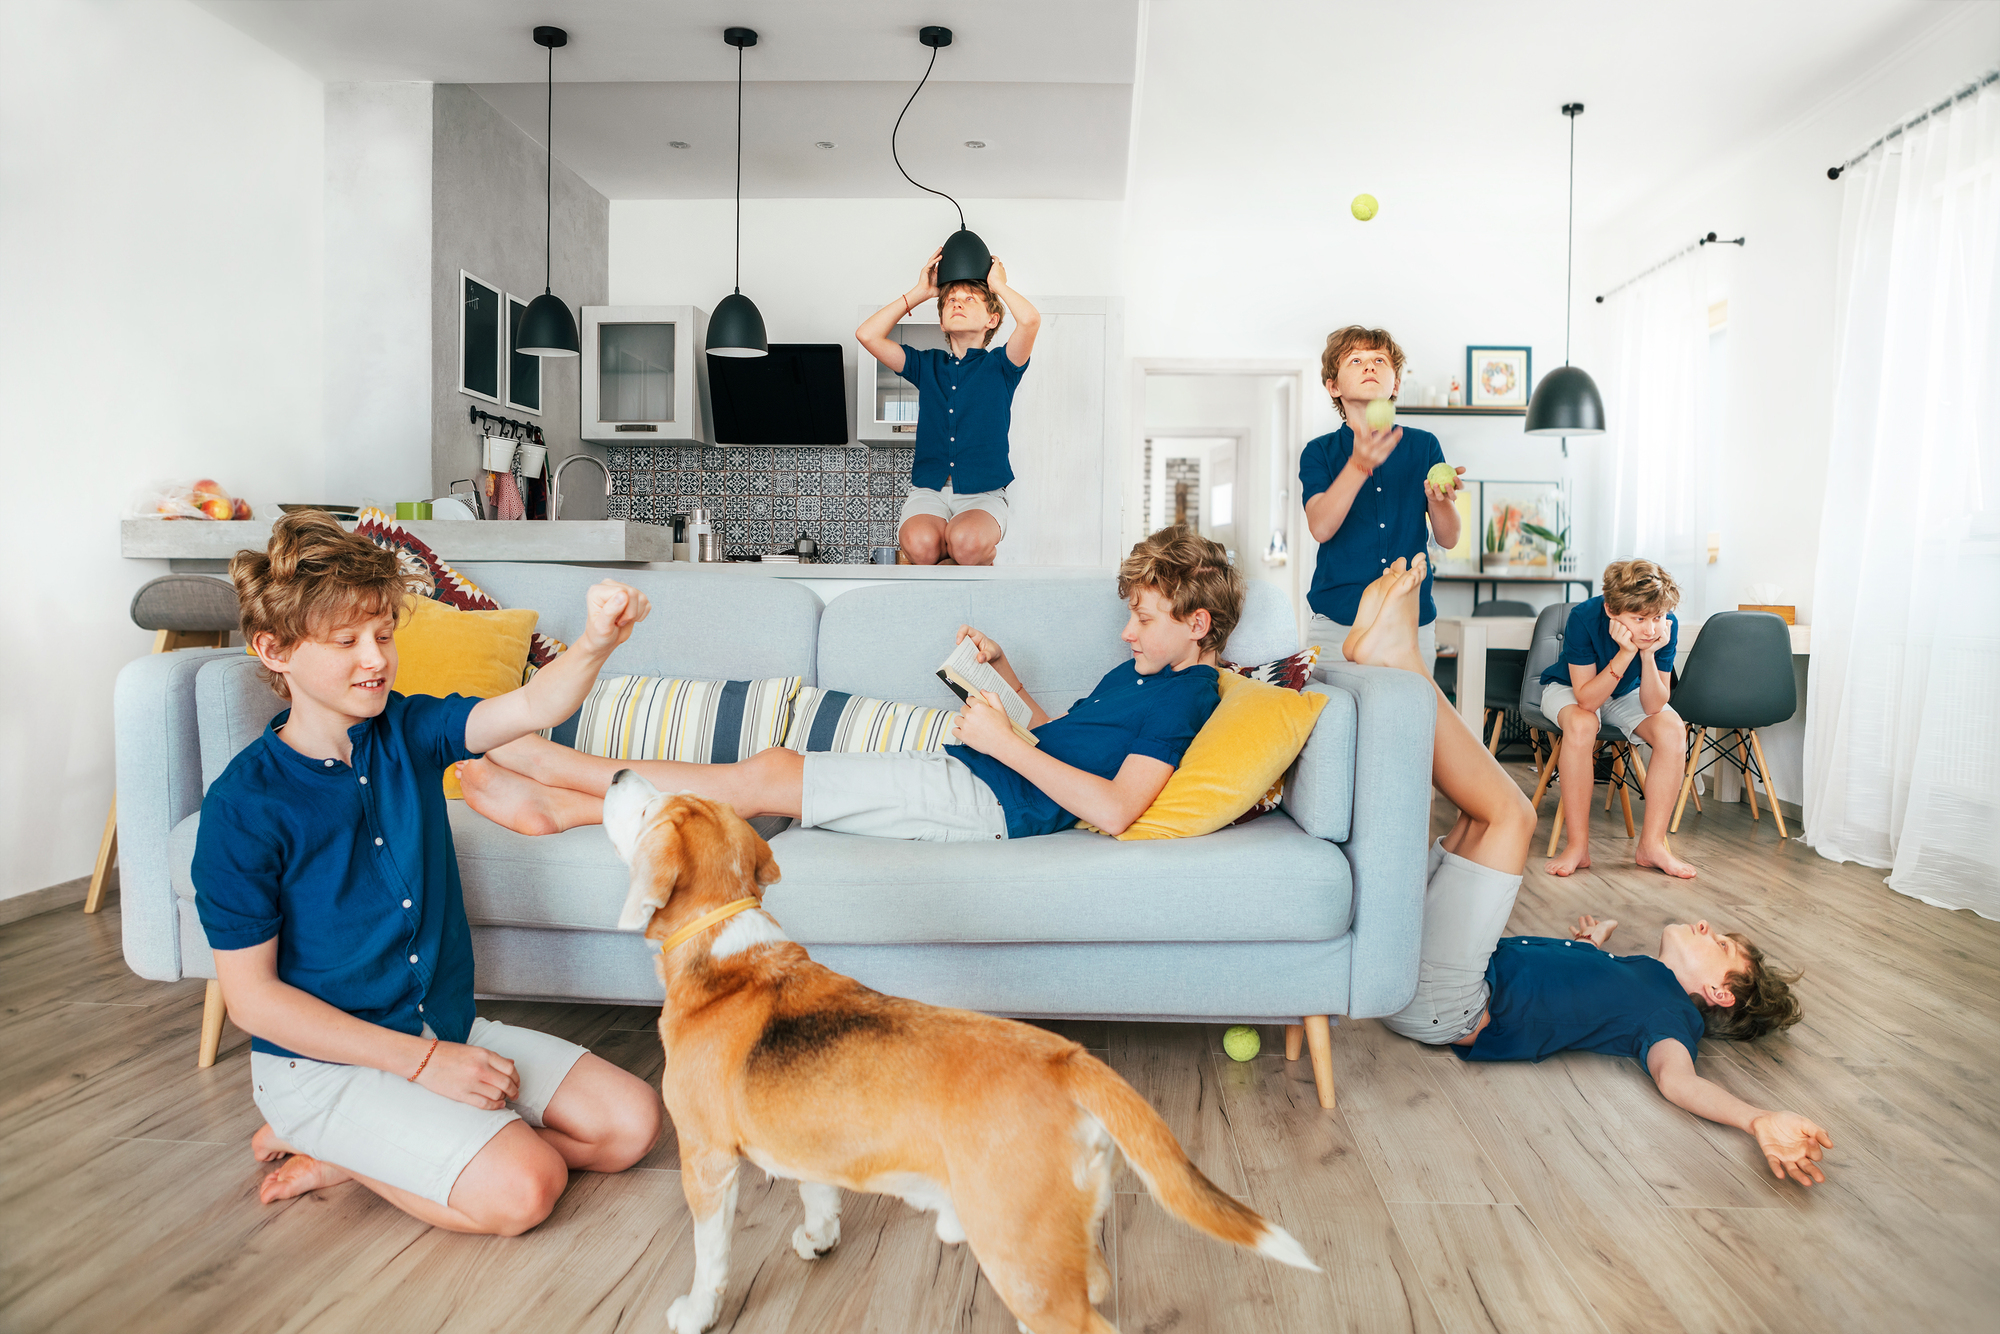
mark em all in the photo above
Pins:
pixel 957 506
pixel 1103 761
pixel 326 883
pixel 1527 997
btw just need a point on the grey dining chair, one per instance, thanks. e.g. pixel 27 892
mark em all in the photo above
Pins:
pixel 1627 772
pixel 1503 671
pixel 1737 679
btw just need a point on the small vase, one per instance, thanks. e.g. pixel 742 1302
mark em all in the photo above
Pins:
pixel 1493 562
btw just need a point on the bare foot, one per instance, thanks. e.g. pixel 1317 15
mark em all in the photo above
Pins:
pixel 1372 597
pixel 1661 859
pixel 1574 858
pixel 297 1175
pixel 508 799
pixel 1391 639
pixel 266 1147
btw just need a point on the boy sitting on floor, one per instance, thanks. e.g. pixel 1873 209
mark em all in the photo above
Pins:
pixel 1104 761
pixel 326 883
pixel 1526 997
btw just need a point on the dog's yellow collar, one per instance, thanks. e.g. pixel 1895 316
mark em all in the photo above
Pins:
pixel 706 920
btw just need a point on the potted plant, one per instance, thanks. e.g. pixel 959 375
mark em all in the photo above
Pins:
pixel 1500 528
pixel 1557 543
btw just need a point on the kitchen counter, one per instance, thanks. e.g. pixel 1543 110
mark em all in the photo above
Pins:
pixel 584 541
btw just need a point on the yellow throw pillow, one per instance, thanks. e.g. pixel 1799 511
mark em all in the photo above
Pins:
pixel 1246 745
pixel 443 651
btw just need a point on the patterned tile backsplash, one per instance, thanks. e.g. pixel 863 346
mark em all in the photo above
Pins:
pixel 763 497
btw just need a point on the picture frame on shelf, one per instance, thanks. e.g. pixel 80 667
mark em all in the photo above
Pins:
pixel 1498 377
pixel 1525 528
pixel 524 372
pixel 481 324
pixel 1463 558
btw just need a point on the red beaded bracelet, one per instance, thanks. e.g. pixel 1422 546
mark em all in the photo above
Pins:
pixel 427 1059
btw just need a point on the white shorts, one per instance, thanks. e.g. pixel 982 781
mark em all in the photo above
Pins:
pixel 949 504
pixel 1624 712
pixel 1465 911
pixel 383 1127
pixel 917 794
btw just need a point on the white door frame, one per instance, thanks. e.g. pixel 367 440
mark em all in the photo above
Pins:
pixel 1235 433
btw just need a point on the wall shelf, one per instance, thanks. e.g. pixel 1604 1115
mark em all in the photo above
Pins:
pixel 1402 411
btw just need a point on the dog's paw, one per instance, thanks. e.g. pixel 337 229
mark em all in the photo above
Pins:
pixel 692 1314
pixel 811 1245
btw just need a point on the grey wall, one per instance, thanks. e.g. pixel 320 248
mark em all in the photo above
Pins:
pixel 486 217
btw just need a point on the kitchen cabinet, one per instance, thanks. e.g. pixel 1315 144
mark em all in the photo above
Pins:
pixel 885 404
pixel 645 375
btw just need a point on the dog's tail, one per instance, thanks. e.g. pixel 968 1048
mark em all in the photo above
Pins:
pixel 1161 1162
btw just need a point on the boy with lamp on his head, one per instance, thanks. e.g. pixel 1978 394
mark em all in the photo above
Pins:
pixel 957 506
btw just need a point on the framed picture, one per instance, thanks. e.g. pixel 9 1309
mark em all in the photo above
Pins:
pixel 480 309
pixel 524 372
pixel 1524 527
pixel 1498 377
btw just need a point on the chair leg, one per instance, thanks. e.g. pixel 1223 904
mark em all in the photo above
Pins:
pixel 1499 721
pixel 1687 778
pixel 1548 772
pixel 1743 763
pixel 1764 770
pixel 1295 1037
pixel 107 854
pixel 1616 770
pixel 1638 766
pixel 1319 1038
pixel 1556 829
pixel 1624 790
pixel 212 1013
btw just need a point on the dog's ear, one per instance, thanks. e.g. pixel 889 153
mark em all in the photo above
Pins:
pixel 656 861
pixel 767 865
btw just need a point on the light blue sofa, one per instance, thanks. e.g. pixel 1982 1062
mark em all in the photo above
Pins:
pixel 1311 910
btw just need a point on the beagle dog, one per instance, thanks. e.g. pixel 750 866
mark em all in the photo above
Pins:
pixel 1003 1130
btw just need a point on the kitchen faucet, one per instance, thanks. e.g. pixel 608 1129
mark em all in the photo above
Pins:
pixel 555 480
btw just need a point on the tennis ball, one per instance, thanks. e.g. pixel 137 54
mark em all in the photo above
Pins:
pixel 1364 207
pixel 1241 1042
pixel 1442 476
pixel 1381 414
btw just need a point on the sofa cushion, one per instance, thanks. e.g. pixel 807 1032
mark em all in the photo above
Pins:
pixel 694 722
pixel 833 720
pixel 234 706
pixel 1262 881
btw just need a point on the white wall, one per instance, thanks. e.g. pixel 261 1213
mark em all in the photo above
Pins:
pixel 160 252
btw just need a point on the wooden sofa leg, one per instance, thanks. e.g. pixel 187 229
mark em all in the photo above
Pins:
pixel 1319 1037
pixel 212 1013
pixel 107 853
pixel 1295 1037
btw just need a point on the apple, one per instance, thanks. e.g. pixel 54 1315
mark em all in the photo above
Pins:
pixel 241 510
pixel 216 507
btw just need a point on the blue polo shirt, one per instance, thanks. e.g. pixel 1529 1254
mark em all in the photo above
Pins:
pixel 1386 520
pixel 1587 642
pixel 349 866
pixel 1124 714
pixel 1568 995
pixel 965 406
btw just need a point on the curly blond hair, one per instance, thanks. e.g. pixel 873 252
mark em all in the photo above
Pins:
pixel 314 577
pixel 1355 338
pixel 1193 574
pixel 1639 586
pixel 1764 1000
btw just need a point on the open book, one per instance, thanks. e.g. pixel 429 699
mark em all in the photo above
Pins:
pixel 964 673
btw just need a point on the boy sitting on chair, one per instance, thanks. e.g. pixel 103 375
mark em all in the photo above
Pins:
pixel 1527 997
pixel 1617 651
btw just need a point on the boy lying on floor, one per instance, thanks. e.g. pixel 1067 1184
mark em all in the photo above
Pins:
pixel 1528 997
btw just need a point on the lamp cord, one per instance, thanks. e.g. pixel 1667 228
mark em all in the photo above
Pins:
pixel 549 184
pixel 738 285
pixel 1569 263
pixel 899 125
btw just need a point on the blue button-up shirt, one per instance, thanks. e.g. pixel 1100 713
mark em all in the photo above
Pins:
pixel 1386 520
pixel 350 866
pixel 1587 642
pixel 964 408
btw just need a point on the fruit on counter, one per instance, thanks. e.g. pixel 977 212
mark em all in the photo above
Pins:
pixel 216 507
pixel 241 510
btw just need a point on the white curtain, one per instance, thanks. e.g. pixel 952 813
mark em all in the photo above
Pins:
pixel 1649 492
pixel 1902 752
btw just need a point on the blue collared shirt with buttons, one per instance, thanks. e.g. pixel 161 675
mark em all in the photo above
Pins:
pixel 965 406
pixel 349 866
pixel 1386 520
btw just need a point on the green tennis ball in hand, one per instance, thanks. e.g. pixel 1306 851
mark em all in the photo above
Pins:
pixel 1381 414
pixel 1363 207
pixel 1442 476
pixel 1242 1042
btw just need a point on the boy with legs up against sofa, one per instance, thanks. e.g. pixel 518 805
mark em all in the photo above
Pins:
pixel 327 886
pixel 1617 651
pixel 1104 761
pixel 1525 998
pixel 957 506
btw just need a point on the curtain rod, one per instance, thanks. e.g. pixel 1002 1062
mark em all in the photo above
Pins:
pixel 1710 239
pixel 1833 173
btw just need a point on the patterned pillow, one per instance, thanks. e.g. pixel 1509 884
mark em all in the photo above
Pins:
pixel 833 720
pixel 668 718
pixel 438 580
pixel 1293 673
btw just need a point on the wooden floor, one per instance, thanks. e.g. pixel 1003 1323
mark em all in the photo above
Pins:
pixel 1440 1196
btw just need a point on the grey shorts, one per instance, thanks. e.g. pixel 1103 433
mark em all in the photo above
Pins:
pixel 949 504
pixel 1624 712
pixel 387 1129
pixel 917 794
pixel 1465 910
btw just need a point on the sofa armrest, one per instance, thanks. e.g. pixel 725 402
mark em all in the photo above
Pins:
pixel 158 749
pixel 1395 718
pixel 1319 787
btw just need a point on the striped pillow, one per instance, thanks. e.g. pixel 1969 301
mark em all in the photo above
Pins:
pixel 833 720
pixel 700 722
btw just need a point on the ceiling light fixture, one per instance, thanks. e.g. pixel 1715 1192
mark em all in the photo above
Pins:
pixel 823 143
pixel 965 257
pixel 975 143
pixel 677 143
pixel 1566 402
pixel 737 327
pixel 547 328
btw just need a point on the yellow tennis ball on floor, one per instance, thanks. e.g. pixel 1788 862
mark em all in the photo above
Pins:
pixel 1381 414
pixel 1242 1042
pixel 1364 207
pixel 1442 476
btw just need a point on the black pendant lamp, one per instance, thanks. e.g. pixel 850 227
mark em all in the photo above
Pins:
pixel 547 327
pixel 965 258
pixel 1566 402
pixel 737 327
